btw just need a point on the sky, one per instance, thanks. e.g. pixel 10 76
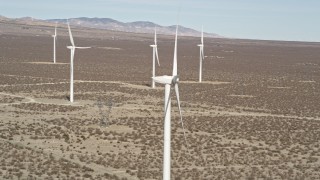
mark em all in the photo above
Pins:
pixel 290 20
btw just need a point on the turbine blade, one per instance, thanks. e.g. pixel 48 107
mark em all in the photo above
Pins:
pixel 176 88
pixel 72 53
pixel 70 34
pixel 202 48
pixel 202 53
pixel 175 70
pixel 166 107
pixel 155 35
pixel 55 30
pixel 202 36
pixel 157 55
pixel 82 47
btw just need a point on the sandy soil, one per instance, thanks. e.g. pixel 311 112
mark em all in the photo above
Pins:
pixel 109 48
pixel 255 115
pixel 47 63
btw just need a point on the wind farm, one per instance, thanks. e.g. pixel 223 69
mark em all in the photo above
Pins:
pixel 255 114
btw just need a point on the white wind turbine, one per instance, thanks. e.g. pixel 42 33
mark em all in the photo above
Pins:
pixel 201 56
pixel 155 55
pixel 72 50
pixel 169 81
pixel 54 44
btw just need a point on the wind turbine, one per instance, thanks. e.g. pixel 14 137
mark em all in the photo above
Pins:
pixel 72 50
pixel 169 82
pixel 201 56
pixel 155 55
pixel 54 44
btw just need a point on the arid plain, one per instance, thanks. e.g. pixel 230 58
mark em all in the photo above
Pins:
pixel 255 116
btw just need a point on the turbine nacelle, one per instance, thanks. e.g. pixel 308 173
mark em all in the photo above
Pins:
pixel 175 79
pixel 163 79
pixel 71 47
pixel 171 80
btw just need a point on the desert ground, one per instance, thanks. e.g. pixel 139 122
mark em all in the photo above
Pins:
pixel 255 116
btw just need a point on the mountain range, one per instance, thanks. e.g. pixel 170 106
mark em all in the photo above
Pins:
pixel 111 24
pixel 135 27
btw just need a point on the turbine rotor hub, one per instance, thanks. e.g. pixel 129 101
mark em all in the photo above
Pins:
pixel 175 79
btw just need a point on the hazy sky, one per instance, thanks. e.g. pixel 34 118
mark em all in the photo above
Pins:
pixel 296 20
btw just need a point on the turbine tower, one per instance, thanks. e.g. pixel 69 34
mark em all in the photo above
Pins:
pixel 155 55
pixel 201 56
pixel 169 82
pixel 54 43
pixel 72 50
